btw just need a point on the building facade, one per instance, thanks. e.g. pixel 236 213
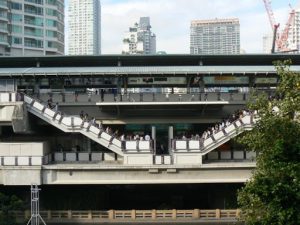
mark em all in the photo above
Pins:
pixel 31 27
pixel 84 22
pixel 267 43
pixel 140 39
pixel 217 36
pixel 294 33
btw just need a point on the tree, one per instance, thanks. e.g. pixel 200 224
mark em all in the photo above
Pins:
pixel 272 195
pixel 8 204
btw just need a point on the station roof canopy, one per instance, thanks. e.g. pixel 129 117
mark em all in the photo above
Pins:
pixel 143 64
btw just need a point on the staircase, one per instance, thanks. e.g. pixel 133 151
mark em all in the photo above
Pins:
pixel 217 139
pixel 234 129
pixel 73 124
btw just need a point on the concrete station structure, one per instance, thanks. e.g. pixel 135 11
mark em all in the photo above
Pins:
pixel 170 98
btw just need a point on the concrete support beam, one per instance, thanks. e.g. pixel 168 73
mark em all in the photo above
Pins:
pixel 21 175
pixel 144 175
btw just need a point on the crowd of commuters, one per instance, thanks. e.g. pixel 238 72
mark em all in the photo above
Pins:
pixel 116 134
pixel 136 137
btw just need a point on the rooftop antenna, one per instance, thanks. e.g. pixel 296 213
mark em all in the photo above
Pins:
pixel 35 206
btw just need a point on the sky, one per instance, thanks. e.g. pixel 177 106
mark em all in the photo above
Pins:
pixel 170 20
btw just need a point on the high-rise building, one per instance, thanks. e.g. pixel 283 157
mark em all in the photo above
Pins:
pixel 31 27
pixel 84 27
pixel 140 39
pixel 294 33
pixel 217 36
pixel 267 43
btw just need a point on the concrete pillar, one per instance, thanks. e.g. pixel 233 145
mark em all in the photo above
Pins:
pixel 153 136
pixel 88 142
pixel 171 136
pixel 153 214
pixel 218 213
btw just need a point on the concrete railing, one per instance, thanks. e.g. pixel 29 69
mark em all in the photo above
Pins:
pixel 231 155
pixel 21 160
pixel 66 157
pixel 217 139
pixel 163 159
pixel 144 97
pixel 131 215
pixel 7 97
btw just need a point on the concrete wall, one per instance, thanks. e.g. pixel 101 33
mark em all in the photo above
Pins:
pixel 24 149
pixel 187 158
pixel 20 176
pixel 7 97
pixel 138 159
pixel 6 113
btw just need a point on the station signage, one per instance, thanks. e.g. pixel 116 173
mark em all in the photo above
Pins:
pixel 225 80
pixel 266 80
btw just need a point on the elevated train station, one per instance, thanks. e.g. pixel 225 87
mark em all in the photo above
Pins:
pixel 113 119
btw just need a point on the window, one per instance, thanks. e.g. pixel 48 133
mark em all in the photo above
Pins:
pixel 34 10
pixel 3 37
pixel 16 6
pixel 16 29
pixel 16 17
pixel 17 40
pixel 32 20
pixel 50 33
pixel 40 2
pixel 51 12
pixel 51 23
pixel 33 31
pixel 33 43
pixel 51 2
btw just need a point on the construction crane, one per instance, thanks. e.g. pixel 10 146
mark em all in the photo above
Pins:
pixel 280 40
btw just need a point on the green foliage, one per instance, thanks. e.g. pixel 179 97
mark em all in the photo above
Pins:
pixel 272 195
pixel 8 204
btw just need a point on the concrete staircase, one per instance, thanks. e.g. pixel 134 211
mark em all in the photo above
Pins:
pixel 217 139
pixel 73 124
pixel 234 129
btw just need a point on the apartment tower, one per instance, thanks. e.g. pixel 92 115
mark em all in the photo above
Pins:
pixel 31 27
pixel 140 39
pixel 84 22
pixel 217 36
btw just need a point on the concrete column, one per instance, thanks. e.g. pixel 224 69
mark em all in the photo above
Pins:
pixel 153 136
pixel 88 142
pixel 171 136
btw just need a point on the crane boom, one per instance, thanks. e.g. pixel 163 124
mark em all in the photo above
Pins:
pixel 283 41
pixel 280 40
pixel 270 14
